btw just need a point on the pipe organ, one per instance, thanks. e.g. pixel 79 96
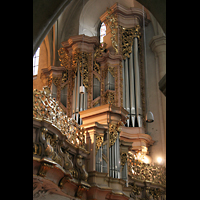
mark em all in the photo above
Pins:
pixel 101 86
pixel 111 73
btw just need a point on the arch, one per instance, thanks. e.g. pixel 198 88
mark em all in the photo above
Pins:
pixel 46 12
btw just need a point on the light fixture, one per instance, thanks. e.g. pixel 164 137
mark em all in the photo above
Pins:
pixel 149 117
pixel 159 160
pixel 82 89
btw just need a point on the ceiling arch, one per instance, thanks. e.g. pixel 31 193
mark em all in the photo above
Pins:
pixel 91 15
pixel 46 12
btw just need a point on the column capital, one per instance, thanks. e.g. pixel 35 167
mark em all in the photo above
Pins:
pixel 158 43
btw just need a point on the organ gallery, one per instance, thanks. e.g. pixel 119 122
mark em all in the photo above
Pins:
pixel 98 109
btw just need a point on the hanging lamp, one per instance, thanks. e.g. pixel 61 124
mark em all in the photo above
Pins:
pixel 82 87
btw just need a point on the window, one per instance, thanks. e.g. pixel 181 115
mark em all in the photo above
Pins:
pixel 102 32
pixel 36 62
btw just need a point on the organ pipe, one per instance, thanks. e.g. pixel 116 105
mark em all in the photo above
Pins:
pixel 132 90
pixel 77 94
pixel 127 90
pixel 137 84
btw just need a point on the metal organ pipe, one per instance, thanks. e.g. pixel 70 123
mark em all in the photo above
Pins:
pixel 132 89
pixel 137 84
pixel 74 100
pixel 77 93
pixel 127 90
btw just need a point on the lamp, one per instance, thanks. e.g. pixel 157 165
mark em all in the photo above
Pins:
pixel 82 89
pixel 149 117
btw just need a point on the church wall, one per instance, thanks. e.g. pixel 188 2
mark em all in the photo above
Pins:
pixel 155 129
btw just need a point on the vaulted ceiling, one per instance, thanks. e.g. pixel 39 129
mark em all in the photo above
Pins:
pixel 46 12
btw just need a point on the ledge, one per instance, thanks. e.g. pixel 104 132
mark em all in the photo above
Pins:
pixel 100 114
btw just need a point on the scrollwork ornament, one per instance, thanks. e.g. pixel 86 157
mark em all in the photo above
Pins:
pixel 99 141
pixel 114 130
pixel 112 22
pixel 123 159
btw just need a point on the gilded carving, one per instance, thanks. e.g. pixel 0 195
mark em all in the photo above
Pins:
pixel 136 190
pixel 114 130
pixel 112 70
pixel 80 190
pixel 127 36
pixel 79 171
pixel 155 192
pixel 44 107
pixel 64 58
pixel 99 141
pixel 109 97
pixel 112 22
pixel 98 53
pixel 148 172
pixel 44 168
pixel 123 159
pixel 37 149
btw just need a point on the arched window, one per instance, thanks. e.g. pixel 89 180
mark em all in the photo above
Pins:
pixel 102 32
pixel 36 62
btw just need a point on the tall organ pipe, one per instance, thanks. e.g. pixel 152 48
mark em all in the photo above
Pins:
pixel 127 90
pixel 132 89
pixel 137 84
pixel 77 93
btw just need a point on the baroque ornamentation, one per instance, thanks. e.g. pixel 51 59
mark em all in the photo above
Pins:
pixel 99 141
pixel 114 130
pixel 149 172
pixel 136 190
pixel 112 22
pixel 98 53
pixel 64 58
pixel 44 107
pixel 109 97
pixel 82 60
pixel 123 159
pixel 79 171
pixel 127 37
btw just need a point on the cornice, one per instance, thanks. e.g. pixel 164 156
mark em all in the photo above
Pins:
pixel 80 38
pixel 158 43
pixel 135 15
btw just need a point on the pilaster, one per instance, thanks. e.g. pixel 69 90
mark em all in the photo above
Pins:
pixel 158 46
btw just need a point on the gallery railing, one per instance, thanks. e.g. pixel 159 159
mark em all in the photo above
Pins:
pixel 46 108
pixel 146 172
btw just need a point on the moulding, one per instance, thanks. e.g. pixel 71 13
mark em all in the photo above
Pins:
pixel 158 43
pixel 133 16
pixel 80 38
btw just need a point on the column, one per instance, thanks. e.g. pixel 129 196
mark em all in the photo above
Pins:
pixel 158 46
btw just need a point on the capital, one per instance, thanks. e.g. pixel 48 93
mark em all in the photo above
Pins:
pixel 158 44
